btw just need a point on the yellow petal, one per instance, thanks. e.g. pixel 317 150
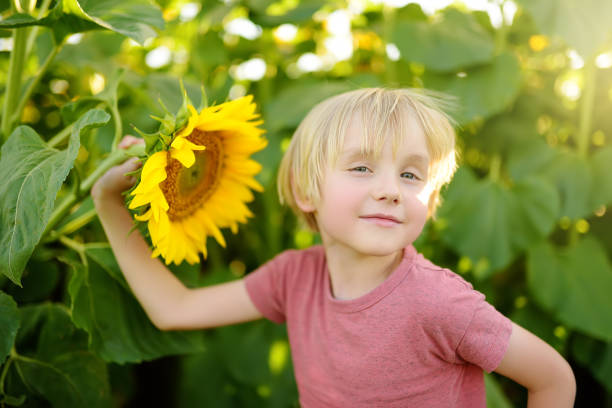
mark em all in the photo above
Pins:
pixel 185 156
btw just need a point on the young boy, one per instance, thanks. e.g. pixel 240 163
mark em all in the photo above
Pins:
pixel 371 322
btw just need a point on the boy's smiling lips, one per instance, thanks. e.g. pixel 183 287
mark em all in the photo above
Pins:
pixel 381 219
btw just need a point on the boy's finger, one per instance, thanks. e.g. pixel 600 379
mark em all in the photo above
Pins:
pixel 129 140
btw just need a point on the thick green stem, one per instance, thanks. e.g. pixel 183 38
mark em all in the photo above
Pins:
pixel 61 136
pixel 118 125
pixel 113 159
pixel 4 372
pixel 587 103
pixel 13 84
pixel 495 167
pixel 28 93
pixel 44 6
pixel 501 34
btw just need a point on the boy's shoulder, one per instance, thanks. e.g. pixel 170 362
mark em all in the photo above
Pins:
pixel 433 280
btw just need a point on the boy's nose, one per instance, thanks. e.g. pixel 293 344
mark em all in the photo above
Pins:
pixel 386 189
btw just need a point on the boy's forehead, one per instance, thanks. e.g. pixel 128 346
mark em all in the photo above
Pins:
pixel 408 139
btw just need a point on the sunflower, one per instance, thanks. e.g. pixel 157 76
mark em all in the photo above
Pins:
pixel 200 179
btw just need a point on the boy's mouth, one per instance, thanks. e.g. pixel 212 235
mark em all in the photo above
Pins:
pixel 382 219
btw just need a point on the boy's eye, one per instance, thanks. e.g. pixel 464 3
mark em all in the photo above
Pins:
pixel 360 169
pixel 409 175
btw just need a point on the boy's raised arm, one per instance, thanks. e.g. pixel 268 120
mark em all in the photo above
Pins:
pixel 531 362
pixel 168 303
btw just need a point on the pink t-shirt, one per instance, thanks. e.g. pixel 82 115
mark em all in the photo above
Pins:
pixel 422 338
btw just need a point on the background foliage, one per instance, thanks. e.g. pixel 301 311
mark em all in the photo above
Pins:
pixel 525 220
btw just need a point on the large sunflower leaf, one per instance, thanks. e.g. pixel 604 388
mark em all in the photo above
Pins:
pixel 59 368
pixel 491 223
pixel 596 355
pixel 133 18
pixel 583 24
pixel 293 103
pixel 34 173
pixel 484 90
pixel 571 174
pixel 582 184
pixel 119 329
pixel 455 41
pixel 9 323
pixel 574 284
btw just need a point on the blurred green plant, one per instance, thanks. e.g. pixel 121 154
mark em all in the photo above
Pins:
pixel 526 219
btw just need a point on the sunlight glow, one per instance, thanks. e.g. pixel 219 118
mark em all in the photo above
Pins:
pixel 74 38
pixel 58 86
pixel 576 61
pixel 6 44
pixel 570 88
pixel 338 23
pixel 237 91
pixel 392 52
pixel 340 44
pixel 189 11
pixel 158 57
pixel 604 60
pixel 252 70
pixel 309 62
pixel 341 48
pixel 97 82
pixel 243 27
pixel 285 32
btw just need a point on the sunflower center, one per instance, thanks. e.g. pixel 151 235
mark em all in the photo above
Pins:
pixel 187 189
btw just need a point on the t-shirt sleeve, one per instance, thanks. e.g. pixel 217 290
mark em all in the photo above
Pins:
pixel 267 286
pixel 472 330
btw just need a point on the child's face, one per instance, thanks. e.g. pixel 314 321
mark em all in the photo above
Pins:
pixel 375 206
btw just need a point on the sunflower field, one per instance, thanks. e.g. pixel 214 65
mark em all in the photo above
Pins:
pixel 526 220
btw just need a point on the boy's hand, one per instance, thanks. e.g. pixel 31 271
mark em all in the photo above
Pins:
pixel 114 181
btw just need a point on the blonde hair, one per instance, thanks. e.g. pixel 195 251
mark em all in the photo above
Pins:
pixel 384 113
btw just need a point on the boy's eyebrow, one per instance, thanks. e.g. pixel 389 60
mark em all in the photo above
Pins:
pixel 352 154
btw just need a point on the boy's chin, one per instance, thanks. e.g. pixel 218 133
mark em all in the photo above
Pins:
pixel 381 250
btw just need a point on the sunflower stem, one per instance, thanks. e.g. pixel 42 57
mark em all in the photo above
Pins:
pixel 586 107
pixel 36 79
pixel 113 159
pixel 13 83
pixel 5 369
pixel 118 125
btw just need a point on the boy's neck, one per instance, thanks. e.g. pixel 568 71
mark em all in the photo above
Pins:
pixel 353 274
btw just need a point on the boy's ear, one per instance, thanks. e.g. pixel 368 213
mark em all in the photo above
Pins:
pixel 304 204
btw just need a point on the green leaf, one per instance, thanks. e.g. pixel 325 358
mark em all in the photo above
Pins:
pixel 299 14
pixel 34 174
pixel 119 329
pixel 491 223
pixel 293 103
pixel 9 323
pixel 596 355
pixel 601 171
pixel 134 18
pixel 484 90
pixel 574 284
pixel 453 42
pixel 583 25
pixel 572 177
pixel 495 394
pixel 60 369
pixel 12 401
